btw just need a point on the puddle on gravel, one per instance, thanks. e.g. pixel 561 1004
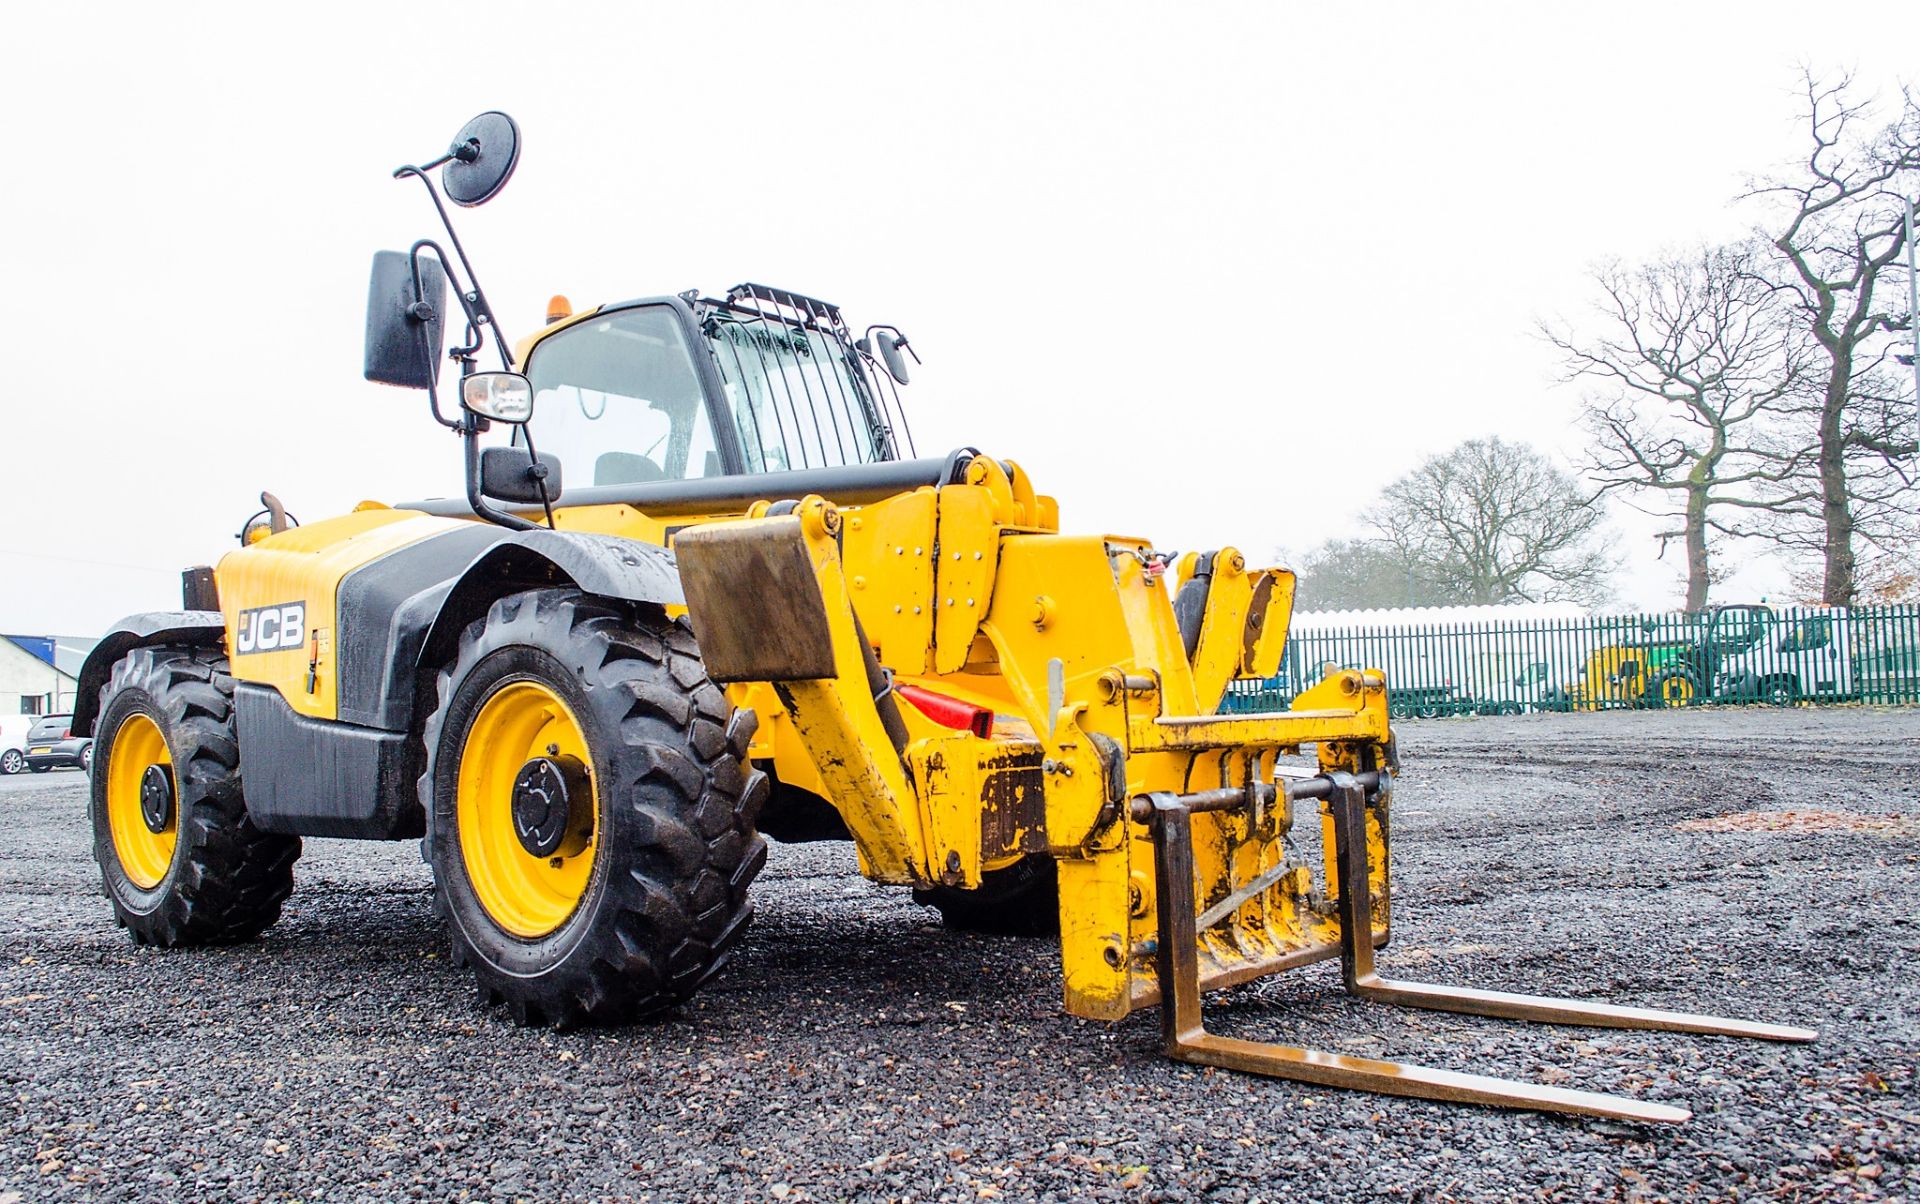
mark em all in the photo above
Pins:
pixel 1793 823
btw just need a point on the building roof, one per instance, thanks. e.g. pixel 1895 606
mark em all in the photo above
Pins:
pixel 64 652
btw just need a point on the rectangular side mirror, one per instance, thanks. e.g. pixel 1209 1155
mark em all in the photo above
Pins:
pixel 405 329
pixel 507 474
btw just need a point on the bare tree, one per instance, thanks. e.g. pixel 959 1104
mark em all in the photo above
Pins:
pixel 1694 355
pixel 1839 229
pixel 1354 574
pixel 1492 521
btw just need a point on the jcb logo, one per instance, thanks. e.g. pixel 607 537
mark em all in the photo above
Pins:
pixel 271 628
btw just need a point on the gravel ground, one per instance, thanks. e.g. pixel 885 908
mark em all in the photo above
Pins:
pixel 856 1050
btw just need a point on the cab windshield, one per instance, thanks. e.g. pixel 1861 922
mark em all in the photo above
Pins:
pixel 617 396
pixel 617 399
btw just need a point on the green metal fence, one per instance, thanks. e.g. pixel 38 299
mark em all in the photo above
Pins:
pixel 1732 654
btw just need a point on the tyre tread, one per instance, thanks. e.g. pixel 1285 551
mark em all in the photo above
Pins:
pixel 671 921
pixel 233 878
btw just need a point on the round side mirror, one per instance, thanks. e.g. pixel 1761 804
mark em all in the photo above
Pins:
pixel 503 396
pixel 484 154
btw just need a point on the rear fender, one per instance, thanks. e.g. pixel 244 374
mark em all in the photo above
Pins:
pixel 606 566
pixel 200 628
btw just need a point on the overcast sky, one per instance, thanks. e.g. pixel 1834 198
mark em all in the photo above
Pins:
pixel 1212 273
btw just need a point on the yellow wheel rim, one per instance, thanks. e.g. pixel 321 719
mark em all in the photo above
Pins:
pixel 1677 689
pixel 525 895
pixel 144 854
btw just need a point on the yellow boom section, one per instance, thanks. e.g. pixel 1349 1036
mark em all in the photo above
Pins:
pixel 1072 643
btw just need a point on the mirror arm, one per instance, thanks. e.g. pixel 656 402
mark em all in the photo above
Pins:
pixel 899 339
pixel 419 291
pixel 479 313
pixel 470 445
pixel 538 472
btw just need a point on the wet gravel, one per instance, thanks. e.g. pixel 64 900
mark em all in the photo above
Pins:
pixel 856 1050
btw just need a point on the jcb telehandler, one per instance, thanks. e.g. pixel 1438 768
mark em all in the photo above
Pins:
pixel 708 593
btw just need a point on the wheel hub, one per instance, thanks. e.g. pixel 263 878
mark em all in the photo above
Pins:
pixel 543 799
pixel 156 798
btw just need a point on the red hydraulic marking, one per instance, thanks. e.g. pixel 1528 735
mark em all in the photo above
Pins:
pixel 949 712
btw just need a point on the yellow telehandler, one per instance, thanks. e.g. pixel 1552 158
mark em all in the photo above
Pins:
pixel 709 593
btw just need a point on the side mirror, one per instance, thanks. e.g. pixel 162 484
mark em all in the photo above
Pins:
pixel 509 474
pixel 481 159
pixel 404 325
pixel 890 344
pixel 504 396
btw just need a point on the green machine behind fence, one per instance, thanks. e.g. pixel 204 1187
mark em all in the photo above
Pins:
pixel 1728 654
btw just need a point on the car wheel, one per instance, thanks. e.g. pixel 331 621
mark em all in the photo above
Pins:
pixel 12 762
pixel 86 759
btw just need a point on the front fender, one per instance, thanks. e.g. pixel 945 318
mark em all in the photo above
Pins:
pixel 607 566
pixel 201 628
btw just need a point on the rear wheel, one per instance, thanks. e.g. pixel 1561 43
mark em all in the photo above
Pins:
pixel 181 861
pixel 12 761
pixel 1022 899
pixel 1782 692
pixel 592 810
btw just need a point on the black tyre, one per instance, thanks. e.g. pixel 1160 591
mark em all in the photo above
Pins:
pixel 86 758
pixel 1022 899
pixel 12 761
pixel 1672 689
pixel 181 862
pixel 592 811
pixel 1782 692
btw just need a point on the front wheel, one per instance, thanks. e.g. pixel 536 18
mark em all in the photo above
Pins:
pixel 1675 689
pixel 12 761
pixel 592 831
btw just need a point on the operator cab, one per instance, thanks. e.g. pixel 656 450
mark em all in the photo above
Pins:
pixel 658 401
pixel 684 388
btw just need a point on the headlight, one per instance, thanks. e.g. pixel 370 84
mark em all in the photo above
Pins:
pixel 506 396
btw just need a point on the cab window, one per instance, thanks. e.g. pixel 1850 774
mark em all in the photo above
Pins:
pixel 616 398
pixel 1809 634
